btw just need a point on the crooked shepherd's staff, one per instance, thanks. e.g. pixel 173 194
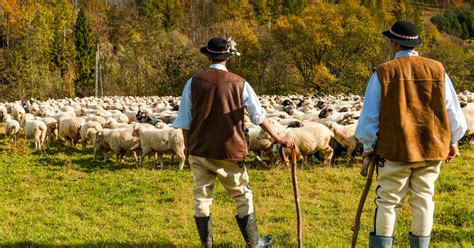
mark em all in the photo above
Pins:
pixel 295 191
pixel 367 168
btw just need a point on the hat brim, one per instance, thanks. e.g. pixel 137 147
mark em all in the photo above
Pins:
pixel 216 55
pixel 407 43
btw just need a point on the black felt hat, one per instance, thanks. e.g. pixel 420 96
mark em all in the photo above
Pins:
pixel 404 33
pixel 217 48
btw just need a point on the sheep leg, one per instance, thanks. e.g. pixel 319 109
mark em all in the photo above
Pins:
pixel 328 152
pixel 134 153
pixel 304 161
pixel 160 159
pixel 105 156
pixel 182 159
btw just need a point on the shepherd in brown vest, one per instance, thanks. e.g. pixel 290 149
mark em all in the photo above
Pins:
pixel 412 119
pixel 211 115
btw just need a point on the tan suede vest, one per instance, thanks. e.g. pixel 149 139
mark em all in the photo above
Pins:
pixel 217 126
pixel 414 123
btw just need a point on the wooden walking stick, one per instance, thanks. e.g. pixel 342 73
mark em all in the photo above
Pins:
pixel 295 192
pixel 370 163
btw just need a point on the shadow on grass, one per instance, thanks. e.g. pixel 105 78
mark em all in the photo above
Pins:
pixel 161 243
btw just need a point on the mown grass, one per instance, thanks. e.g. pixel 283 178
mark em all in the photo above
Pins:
pixel 60 198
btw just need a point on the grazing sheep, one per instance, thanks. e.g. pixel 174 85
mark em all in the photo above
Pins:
pixel 160 141
pixel 35 129
pixel 118 140
pixel 99 119
pixel 469 115
pixel 310 139
pixel 52 125
pixel 69 129
pixel 344 135
pixel 113 124
pixel 88 131
pixel 12 127
pixel 260 142
pixel 3 112
pixel 18 112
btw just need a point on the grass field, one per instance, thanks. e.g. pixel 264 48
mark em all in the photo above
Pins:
pixel 60 198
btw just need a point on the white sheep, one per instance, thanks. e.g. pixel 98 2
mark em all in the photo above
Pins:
pixel 69 129
pixel 260 142
pixel 18 112
pixel 35 129
pixel 12 127
pixel 310 139
pixel 3 112
pixel 113 124
pixel 469 115
pixel 160 141
pixel 52 125
pixel 344 135
pixel 88 131
pixel 99 119
pixel 118 140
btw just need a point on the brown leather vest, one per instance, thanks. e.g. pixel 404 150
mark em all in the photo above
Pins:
pixel 217 126
pixel 414 123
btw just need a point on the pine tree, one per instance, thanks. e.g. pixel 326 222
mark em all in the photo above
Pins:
pixel 85 55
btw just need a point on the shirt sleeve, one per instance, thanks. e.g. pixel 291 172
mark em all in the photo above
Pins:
pixel 457 121
pixel 252 104
pixel 183 120
pixel 368 125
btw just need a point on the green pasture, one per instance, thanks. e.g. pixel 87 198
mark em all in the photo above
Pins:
pixel 60 198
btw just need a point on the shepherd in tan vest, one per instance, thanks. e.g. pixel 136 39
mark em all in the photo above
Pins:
pixel 211 115
pixel 412 120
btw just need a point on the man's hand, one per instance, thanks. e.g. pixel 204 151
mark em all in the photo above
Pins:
pixel 452 154
pixel 286 142
pixel 366 154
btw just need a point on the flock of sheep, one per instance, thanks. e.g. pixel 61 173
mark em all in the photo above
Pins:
pixel 317 123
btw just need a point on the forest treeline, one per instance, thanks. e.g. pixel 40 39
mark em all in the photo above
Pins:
pixel 61 48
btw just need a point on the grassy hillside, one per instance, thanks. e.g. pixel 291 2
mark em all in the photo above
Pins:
pixel 60 198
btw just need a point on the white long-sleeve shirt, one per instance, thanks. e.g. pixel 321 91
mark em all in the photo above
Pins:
pixel 249 100
pixel 368 125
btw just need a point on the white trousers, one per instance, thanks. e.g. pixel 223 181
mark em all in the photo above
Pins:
pixel 233 177
pixel 395 179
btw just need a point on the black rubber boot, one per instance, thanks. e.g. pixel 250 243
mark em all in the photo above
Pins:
pixel 248 227
pixel 419 241
pixel 204 226
pixel 380 241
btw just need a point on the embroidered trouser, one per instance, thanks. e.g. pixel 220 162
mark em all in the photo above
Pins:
pixel 395 179
pixel 233 177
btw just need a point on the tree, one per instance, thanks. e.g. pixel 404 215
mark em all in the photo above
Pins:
pixel 85 55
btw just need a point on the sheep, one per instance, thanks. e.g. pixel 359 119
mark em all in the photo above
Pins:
pixel 12 127
pixel 345 136
pixel 260 142
pixel 52 125
pixel 160 141
pixel 311 138
pixel 3 112
pixel 469 115
pixel 113 124
pixel 35 129
pixel 88 131
pixel 131 114
pixel 18 112
pixel 118 140
pixel 99 119
pixel 69 128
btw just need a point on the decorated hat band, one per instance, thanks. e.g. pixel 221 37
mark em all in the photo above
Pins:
pixel 404 36
pixel 212 51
